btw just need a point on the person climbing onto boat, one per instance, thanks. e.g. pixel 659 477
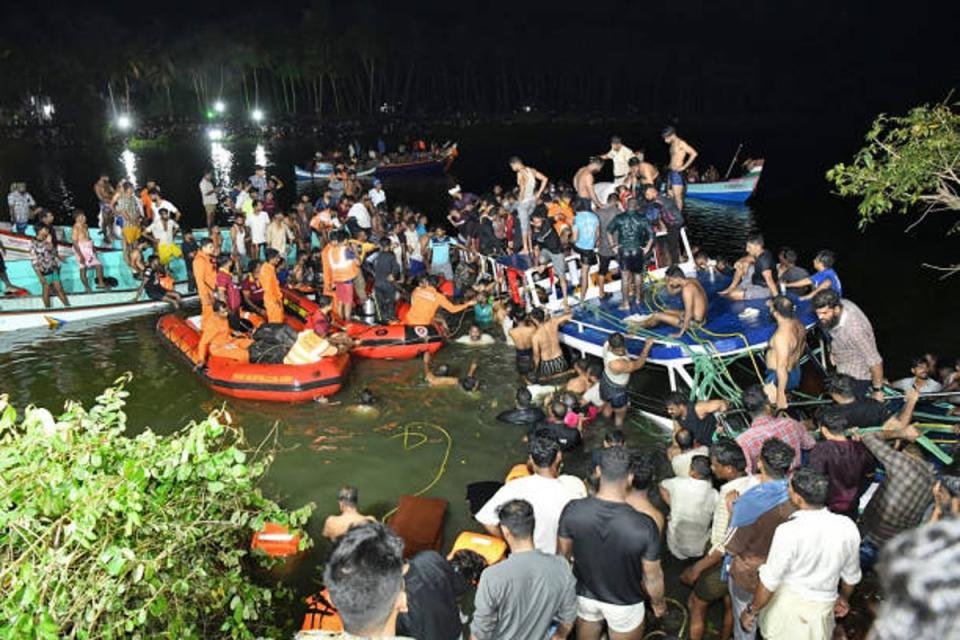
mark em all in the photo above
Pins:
pixel 348 500
pixel 151 284
pixel 522 336
pixel 217 339
pixel 584 179
pixel 697 417
pixel 442 377
pixel 272 295
pixel 586 242
pixel 694 300
pixel 548 360
pixel 853 346
pixel 755 276
pixel 621 155
pixel 426 300
pixel 84 251
pixel 46 264
pixel 617 367
pixel 548 249
pixel 529 193
pixel 823 277
pixel 629 235
pixel 785 348
pixel 682 156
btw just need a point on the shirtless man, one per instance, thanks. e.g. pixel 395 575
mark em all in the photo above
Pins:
pixel 583 181
pixel 442 377
pixel 784 351
pixel 85 253
pixel 336 526
pixel 528 195
pixel 548 360
pixel 522 336
pixel 104 192
pixel 647 173
pixel 694 303
pixel 682 156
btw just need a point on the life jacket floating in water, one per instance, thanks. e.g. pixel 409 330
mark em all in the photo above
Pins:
pixel 492 549
pixel 276 541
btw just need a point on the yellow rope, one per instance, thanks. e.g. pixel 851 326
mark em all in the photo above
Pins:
pixel 415 429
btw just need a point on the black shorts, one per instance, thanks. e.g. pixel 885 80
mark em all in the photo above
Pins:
pixel 587 256
pixel 3 266
pixel 155 293
pixel 614 394
pixel 605 265
pixel 632 262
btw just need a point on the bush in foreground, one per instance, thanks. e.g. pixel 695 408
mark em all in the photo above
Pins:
pixel 104 536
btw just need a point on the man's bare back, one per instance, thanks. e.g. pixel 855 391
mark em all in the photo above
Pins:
pixel 546 342
pixel 336 526
pixel 583 182
pixel 788 341
pixel 643 505
pixel 695 300
pixel 647 173
pixel 522 336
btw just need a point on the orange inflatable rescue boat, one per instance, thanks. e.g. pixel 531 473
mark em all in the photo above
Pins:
pixel 386 341
pixel 252 381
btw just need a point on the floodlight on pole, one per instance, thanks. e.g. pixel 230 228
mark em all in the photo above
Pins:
pixel 257 115
pixel 219 106
pixel 124 122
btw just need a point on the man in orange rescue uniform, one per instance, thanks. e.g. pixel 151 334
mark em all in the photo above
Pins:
pixel 340 268
pixel 272 296
pixel 216 338
pixel 205 275
pixel 425 300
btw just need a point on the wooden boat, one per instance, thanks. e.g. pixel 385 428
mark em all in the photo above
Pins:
pixel 28 312
pixel 735 191
pixel 252 381
pixel 432 164
pixel 323 172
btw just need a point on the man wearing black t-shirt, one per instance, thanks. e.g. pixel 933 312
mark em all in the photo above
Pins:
pixel 547 247
pixel 865 412
pixel 616 553
pixel 755 277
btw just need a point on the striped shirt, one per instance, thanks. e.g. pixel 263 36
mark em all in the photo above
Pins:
pixel 853 347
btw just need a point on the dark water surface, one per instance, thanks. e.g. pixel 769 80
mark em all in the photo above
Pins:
pixel 326 446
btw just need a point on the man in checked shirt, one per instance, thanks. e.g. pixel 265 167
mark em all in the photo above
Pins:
pixel 853 347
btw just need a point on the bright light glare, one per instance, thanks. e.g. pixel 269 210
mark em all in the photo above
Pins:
pixel 219 106
pixel 124 122
pixel 129 161
pixel 222 161
pixel 215 134
pixel 47 110
pixel 260 156
pixel 257 115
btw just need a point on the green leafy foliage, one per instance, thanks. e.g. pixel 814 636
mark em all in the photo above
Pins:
pixel 107 536
pixel 908 161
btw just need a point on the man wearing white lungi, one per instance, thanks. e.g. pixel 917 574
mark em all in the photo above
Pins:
pixel 812 553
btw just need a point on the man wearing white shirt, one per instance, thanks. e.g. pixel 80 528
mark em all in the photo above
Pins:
pixel 812 553
pixel 377 195
pixel 208 194
pixel 919 378
pixel 360 214
pixel 159 202
pixel 548 493
pixel 692 501
pixel 257 221
pixel 684 451
pixel 620 154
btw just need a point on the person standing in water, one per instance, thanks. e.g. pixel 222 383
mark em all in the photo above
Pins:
pixel 548 360
pixel 682 156
pixel 528 194
pixel 522 336
pixel 336 526
pixel 784 351
pixel 584 179
pixel 617 367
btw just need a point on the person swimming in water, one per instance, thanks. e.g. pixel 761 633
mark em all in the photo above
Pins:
pixel 476 338
pixel 694 303
pixel 682 156
pixel 524 413
pixel 784 351
pixel 442 377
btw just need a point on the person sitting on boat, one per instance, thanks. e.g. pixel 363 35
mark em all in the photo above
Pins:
pixel 617 367
pixel 629 235
pixel 788 273
pixel 548 249
pixel 711 174
pixel 755 277
pixel 162 232
pixel 348 499
pixel 584 180
pixel 694 300
pixel 476 338
pixel 548 360
pixel 217 339
pixel 682 156
pixel 157 284
pixel 426 300
pixel 697 417
pixel 823 278
pixel 46 264
pixel 84 251
pixel 919 378
pixel 272 294
pixel 442 377
pixel 785 348
pixel 853 345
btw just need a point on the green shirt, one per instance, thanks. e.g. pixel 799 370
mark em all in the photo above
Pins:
pixel 632 231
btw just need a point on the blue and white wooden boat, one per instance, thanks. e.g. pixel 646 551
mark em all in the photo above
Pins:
pixel 324 171
pixel 735 191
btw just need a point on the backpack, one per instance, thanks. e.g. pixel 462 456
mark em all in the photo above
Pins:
pixel 670 214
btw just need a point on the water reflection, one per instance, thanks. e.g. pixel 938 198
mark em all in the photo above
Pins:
pixel 719 229
pixel 222 160
pixel 129 161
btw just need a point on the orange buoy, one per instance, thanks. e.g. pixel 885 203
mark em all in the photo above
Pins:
pixel 276 541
